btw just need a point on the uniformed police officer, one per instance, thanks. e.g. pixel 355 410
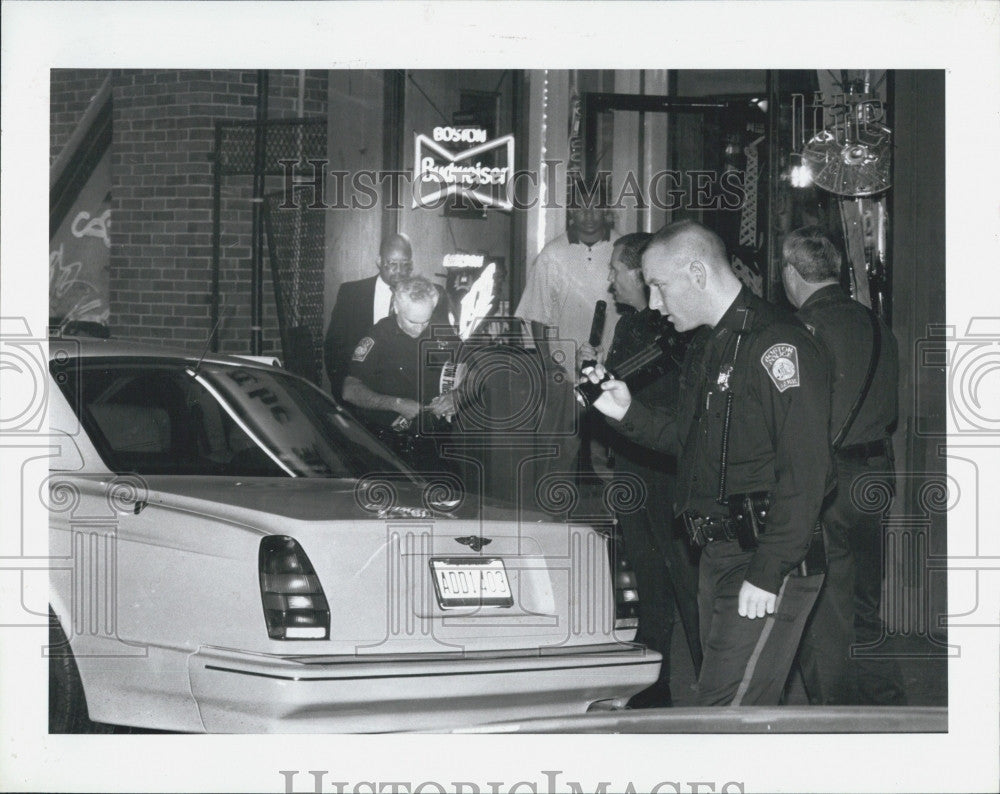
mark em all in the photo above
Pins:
pixel 395 374
pixel 848 607
pixel 751 434
pixel 665 569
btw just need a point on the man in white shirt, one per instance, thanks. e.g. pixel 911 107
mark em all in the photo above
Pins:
pixel 568 277
pixel 570 273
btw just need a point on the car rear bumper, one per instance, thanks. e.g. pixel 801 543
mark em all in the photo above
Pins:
pixel 254 693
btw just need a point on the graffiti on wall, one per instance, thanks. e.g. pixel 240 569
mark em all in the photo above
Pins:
pixel 79 257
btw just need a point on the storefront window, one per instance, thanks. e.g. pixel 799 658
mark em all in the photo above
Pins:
pixel 459 200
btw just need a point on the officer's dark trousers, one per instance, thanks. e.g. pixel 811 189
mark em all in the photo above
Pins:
pixel 840 657
pixel 682 563
pixel 656 599
pixel 746 661
pixel 666 569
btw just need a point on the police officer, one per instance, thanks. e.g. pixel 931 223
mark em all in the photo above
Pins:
pixel 847 610
pixel 362 303
pixel 395 374
pixel 665 567
pixel 751 434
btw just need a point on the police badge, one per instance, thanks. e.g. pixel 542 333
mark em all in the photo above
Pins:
pixel 781 362
pixel 363 349
pixel 725 373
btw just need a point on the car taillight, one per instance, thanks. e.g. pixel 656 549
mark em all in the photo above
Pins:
pixel 295 607
pixel 626 592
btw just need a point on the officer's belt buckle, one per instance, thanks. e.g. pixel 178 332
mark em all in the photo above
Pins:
pixel 692 525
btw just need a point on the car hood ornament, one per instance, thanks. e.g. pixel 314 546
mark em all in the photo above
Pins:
pixel 475 542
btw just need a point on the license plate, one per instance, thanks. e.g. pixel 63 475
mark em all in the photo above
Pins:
pixel 471 583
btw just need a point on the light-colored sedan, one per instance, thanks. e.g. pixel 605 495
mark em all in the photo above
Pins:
pixel 241 556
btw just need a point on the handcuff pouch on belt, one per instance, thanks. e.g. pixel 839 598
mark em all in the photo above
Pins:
pixel 745 524
pixel 748 512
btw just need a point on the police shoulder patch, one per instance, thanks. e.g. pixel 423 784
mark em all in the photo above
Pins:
pixel 781 361
pixel 363 349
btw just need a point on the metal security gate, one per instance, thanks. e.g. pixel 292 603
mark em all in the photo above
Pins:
pixel 291 321
pixel 296 252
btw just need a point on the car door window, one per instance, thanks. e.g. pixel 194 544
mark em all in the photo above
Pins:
pixel 176 417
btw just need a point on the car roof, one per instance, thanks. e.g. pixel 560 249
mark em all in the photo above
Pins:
pixel 90 347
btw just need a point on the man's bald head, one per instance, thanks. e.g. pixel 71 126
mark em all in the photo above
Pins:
pixel 688 273
pixel 694 242
pixel 395 244
pixel 395 258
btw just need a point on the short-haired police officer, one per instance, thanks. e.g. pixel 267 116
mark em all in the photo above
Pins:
pixel 751 434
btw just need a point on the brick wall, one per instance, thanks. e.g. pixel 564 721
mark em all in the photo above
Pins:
pixel 162 176
pixel 70 93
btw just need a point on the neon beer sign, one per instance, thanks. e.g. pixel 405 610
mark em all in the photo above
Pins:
pixel 462 161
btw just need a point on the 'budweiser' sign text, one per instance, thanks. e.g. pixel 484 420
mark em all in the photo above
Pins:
pixel 479 172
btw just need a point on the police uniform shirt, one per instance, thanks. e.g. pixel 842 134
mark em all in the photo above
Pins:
pixel 389 361
pixel 657 385
pixel 844 328
pixel 778 432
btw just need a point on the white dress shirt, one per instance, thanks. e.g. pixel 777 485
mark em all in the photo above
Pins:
pixel 563 285
pixel 383 300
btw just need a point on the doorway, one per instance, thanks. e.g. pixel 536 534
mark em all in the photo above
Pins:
pixel 672 158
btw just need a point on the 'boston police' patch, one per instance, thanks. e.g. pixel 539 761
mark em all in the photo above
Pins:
pixel 363 349
pixel 782 364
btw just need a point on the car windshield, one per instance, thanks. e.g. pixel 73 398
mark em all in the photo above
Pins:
pixel 172 417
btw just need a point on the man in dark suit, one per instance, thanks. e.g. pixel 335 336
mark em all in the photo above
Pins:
pixel 360 304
